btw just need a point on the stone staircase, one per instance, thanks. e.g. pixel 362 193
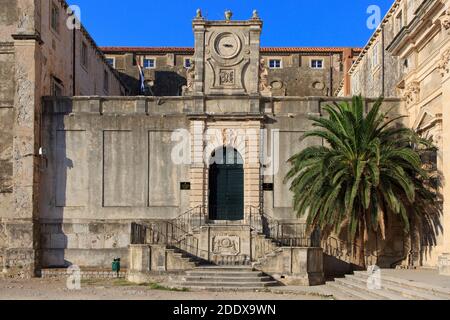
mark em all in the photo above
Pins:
pixel 188 260
pixel 354 287
pixel 220 278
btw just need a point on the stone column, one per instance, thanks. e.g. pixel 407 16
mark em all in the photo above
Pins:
pixel 444 258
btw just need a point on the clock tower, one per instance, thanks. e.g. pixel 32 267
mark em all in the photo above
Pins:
pixel 226 59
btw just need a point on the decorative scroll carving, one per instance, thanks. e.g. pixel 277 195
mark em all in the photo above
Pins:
pixel 226 245
pixel 445 19
pixel 444 63
pixel 411 93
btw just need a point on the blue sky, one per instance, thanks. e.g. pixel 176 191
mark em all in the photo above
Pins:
pixel 325 23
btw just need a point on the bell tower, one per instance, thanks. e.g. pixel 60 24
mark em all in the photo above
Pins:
pixel 226 59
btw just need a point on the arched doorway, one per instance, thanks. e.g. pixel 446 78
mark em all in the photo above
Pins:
pixel 226 185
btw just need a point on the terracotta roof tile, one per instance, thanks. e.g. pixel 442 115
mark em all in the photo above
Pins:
pixel 190 50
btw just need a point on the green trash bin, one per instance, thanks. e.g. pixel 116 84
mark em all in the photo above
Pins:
pixel 116 266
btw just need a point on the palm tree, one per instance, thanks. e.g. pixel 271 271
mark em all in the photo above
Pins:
pixel 368 168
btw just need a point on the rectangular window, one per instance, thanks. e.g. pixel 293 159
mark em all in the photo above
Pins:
pixel 187 63
pixel 105 81
pixel 317 64
pixel 57 87
pixel 375 55
pixel 84 54
pixel 111 62
pixel 399 21
pixel 54 18
pixel 149 63
pixel 275 64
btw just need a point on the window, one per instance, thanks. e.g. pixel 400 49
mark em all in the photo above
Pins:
pixel 316 64
pixel 375 55
pixel 399 21
pixel 275 64
pixel 111 62
pixel 54 18
pixel 149 63
pixel 57 87
pixel 355 83
pixel 187 63
pixel 105 81
pixel 84 54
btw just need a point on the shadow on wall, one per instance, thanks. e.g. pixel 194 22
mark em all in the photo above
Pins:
pixel 168 83
pixel 54 171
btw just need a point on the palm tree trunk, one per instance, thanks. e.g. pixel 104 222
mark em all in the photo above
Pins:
pixel 361 244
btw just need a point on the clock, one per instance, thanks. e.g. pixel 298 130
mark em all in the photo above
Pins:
pixel 227 45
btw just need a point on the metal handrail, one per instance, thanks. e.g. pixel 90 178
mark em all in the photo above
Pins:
pixel 276 230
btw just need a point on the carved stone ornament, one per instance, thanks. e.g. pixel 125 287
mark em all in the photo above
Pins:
pixel 445 19
pixel 264 86
pixel 444 63
pixel 226 245
pixel 190 78
pixel 411 92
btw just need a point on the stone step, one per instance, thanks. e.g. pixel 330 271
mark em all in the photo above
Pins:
pixel 225 268
pixel 338 292
pixel 428 288
pixel 344 293
pixel 226 279
pixel 233 274
pixel 361 287
pixel 233 285
pixel 406 290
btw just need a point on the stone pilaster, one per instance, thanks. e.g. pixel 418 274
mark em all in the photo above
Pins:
pixel 199 55
pixel 444 258
pixel 22 235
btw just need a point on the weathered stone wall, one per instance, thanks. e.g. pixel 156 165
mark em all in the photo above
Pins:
pixel 108 163
pixel 295 78
pixel 380 76
pixel 56 58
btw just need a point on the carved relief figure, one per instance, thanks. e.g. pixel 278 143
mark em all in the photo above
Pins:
pixel 264 77
pixel 190 78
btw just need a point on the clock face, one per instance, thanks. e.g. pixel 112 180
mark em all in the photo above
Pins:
pixel 227 45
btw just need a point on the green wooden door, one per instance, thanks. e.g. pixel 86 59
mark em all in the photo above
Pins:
pixel 226 192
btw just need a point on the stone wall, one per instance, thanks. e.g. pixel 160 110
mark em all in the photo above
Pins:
pixel 295 78
pixel 108 164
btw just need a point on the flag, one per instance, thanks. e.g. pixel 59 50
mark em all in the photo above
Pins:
pixel 141 78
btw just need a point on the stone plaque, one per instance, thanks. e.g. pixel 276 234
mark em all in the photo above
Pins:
pixel 226 245
pixel 227 77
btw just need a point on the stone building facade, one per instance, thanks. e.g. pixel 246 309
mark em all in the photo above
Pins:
pixel 195 161
pixel 291 71
pixel 408 57
pixel 39 56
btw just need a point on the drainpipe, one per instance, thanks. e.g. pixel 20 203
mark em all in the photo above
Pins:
pixel 74 58
pixel 383 62
pixel 331 75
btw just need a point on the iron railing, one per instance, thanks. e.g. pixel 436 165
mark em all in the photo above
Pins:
pixel 289 234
